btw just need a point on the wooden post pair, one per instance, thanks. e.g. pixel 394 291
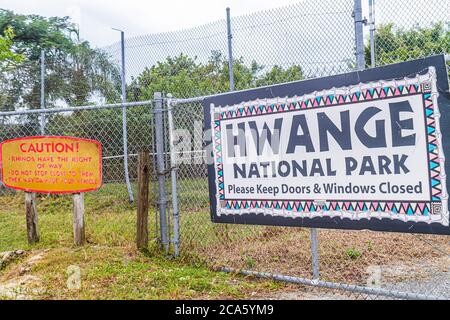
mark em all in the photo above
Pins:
pixel 78 210
pixel 79 236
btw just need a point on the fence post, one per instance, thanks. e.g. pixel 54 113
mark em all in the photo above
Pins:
pixel 314 253
pixel 79 235
pixel 31 217
pixel 142 200
pixel 230 51
pixel 359 37
pixel 124 119
pixel 372 32
pixel 42 92
pixel 173 174
pixel 160 162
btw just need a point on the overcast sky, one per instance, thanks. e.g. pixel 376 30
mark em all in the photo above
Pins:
pixel 135 17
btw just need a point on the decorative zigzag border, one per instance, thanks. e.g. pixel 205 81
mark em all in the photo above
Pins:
pixel 245 110
pixel 434 211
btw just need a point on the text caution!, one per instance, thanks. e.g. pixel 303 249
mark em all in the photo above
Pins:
pixel 51 164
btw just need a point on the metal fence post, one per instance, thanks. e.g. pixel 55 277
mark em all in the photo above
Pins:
pixel 230 51
pixel 359 37
pixel 160 159
pixel 42 91
pixel 124 119
pixel 173 173
pixel 314 254
pixel 372 32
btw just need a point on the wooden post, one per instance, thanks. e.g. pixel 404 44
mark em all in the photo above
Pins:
pixel 78 219
pixel 142 208
pixel 32 217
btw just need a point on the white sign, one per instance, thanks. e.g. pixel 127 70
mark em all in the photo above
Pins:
pixel 371 150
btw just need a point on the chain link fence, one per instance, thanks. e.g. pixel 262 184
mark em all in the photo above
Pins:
pixel 406 30
pixel 305 40
pixel 416 264
pixel 110 217
pixel 352 264
pixel 268 47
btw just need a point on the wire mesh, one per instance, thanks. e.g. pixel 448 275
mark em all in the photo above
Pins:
pixel 416 264
pixel 269 47
pixel 409 263
pixel 407 30
pixel 110 217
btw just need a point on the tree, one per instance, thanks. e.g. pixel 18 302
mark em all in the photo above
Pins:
pixel 8 58
pixel 278 75
pixel 183 76
pixel 394 44
pixel 76 74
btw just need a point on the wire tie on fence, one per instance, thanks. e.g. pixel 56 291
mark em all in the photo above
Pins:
pixel 159 110
pixel 363 21
pixel 163 172
pixel 162 201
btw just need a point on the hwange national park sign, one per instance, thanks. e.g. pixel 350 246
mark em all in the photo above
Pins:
pixel 332 153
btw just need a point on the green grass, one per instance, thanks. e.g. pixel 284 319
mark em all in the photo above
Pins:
pixel 353 253
pixel 124 273
pixel 110 266
pixel 109 219
pixel 111 226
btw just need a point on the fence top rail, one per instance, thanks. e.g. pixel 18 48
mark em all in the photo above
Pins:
pixel 79 108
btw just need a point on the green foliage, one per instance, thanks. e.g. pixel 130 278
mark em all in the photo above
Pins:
pixel 279 75
pixel 75 72
pixel 353 253
pixel 250 262
pixel 370 245
pixel 183 76
pixel 7 56
pixel 394 44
